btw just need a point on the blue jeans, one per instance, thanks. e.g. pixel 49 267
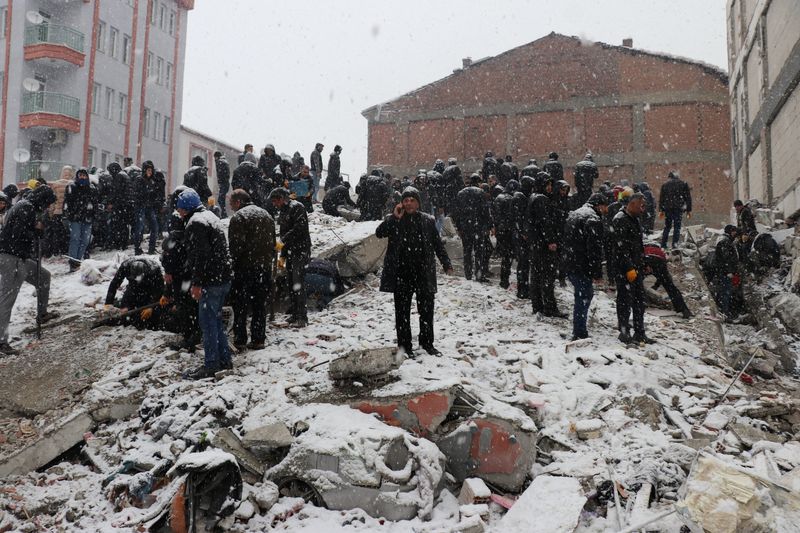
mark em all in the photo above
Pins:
pixel 724 287
pixel 584 292
pixel 80 235
pixel 316 177
pixel 223 193
pixel 209 316
pixel 142 214
pixel 671 216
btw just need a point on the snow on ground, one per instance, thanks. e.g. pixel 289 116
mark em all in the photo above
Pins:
pixel 489 340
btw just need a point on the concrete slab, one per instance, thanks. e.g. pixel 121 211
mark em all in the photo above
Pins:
pixel 365 363
pixel 534 510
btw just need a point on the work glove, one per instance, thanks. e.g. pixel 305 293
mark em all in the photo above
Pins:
pixel 146 313
pixel 689 215
pixel 631 275
pixel 661 214
pixel 164 301
pixel 281 262
pixel 278 246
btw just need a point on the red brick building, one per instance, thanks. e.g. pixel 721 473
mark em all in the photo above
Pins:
pixel 640 113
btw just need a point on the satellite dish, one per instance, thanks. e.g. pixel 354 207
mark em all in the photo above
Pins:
pixel 31 85
pixel 21 155
pixel 34 17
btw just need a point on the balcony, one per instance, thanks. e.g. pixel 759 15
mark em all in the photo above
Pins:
pixel 54 41
pixel 50 110
pixel 49 170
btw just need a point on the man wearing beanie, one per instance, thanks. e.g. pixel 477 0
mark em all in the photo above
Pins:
pixel 409 267
pixel 583 257
pixel 210 268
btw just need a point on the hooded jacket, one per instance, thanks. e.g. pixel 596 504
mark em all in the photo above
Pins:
pixel 626 243
pixel 585 174
pixel 268 161
pixel 251 235
pixel 18 235
pixel 148 193
pixel 207 249
pixel 81 199
pixel 334 177
pixel 197 178
pixel 293 221
pixel 675 194
pixel 223 169
pixel 583 242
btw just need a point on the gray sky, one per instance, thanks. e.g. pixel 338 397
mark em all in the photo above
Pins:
pixel 296 72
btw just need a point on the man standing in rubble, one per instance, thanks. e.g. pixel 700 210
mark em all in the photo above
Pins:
pixel 409 268
pixel 627 250
pixel 473 219
pixel 295 248
pixel 675 198
pixel 745 220
pixel 726 268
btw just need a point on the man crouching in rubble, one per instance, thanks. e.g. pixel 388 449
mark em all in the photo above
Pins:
pixel 409 268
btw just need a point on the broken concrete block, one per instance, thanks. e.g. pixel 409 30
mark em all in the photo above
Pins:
pixel 226 440
pixel 534 510
pixel 245 511
pixel 365 363
pixel 589 429
pixel 265 495
pixel 749 435
pixel 474 490
pixel 118 409
pixel 716 420
pixel 480 509
pixel 261 441
pixel 645 409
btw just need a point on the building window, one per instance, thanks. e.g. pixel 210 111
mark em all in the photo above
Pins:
pixel 113 42
pixel 165 136
pixel 119 159
pixel 146 123
pixel 123 108
pixel 126 49
pixel 104 157
pixel 90 156
pixel 168 80
pixel 154 13
pixel 3 20
pixel 156 124
pixel 96 91
pixel 150 65
pixel 172 16
pixel 160 71
pixel 162 17
pixel 101 37
pixel 109 103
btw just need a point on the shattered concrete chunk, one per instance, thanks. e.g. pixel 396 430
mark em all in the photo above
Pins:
pixel 226 440
pixel 750 435
pixel 645 409
pixel 265 495
pixel 474 490
pixel 589 429
pixel 365 363
pixel 533 511
pixel 267 438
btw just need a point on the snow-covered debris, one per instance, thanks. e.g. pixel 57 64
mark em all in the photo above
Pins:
pixel 534 510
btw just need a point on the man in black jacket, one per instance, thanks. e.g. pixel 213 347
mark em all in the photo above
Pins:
pixel 148 194
pixel 726 266
pixel 490 167
pixel 295 248
pixel 745 220
pixel 119 206
pixel 585 174
pixel 627 251
pixel 268 162
pixel 519 204
pixel 675 197
pixel 223 169
pixel 334 177
pixel 339 195
pixel 583 257
pixel 248 177
pixel 316 168
pixel 505 224
pixel 23 226
pixel 181 309
pixel 452 182
pixel 473 220
pixel 542 232
pixel 409 268
pixel 210 267
pixel 553 167
pixel 197 178
pixel 145 286
pixel 81 203
pixel 373 195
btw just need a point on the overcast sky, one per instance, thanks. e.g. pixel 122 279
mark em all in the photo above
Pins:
pixel 293 73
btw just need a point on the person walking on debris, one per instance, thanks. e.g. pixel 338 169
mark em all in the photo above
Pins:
pixel 745 220
pixel 338 196
pixel 505 223
pixel 473 220
pixel 23 226
pixel 209 264
pixel 223 169
pixel 655 263
pixel 409 268
pixel 119 205
pixel 675 198
pixel 628 256
pixel 583 257
pixel 145 286
pixel 585 175
pixel 542 234
pixel 334 177
pixel 251 235
pixel 197 178
pixel 80 200
pixel 295 250
pixel 316 168
pixel 181 309
pixel 725 269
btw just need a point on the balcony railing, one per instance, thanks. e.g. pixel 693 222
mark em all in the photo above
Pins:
pixel 54 34
pixel 58 104
pixel 49 170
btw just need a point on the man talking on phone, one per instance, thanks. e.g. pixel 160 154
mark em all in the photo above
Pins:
pixel 409 268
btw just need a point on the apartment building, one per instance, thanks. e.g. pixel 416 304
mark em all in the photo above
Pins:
pixel 88 82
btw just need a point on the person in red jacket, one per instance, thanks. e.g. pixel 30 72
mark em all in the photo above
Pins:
pixel 655 261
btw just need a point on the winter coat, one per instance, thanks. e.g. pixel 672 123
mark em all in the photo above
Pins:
pixel 293 222
pixel 452 183
pixel 489 168
pixel 542 221
pixel 316 162
pixel 268 162
pixel 251 237
pixel 373 197
pixel 627 248
pixel 207 249
pixel 504 221
pixel 334 177
pixel 18 235
pixel 81 202
pixel 223 169
pixel 531 170
pixel 197 178
pixel 339 195
pixel 508 171
pixel 519 208
pixel 675 194
pixel 120 192
pixel 175 259
pixel 248 177
pixel 585 174
pixel 148 192
pixel 650 201
pixel 472 211
pixel 423 250
pixel 435 187
pixel 746 221
pixel 726 257
pixel 583 243
pixel 145 282
pixel 297 163
pixel 555 169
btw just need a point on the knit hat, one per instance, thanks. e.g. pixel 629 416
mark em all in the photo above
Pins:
pixel 597 199
pixel 189 200
pixel 411 192
pixel 279 192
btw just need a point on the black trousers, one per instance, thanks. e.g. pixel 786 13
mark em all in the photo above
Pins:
pixel 661 273
pixel 250 296
pixel 474 254
pixel 505 249
pixel 523 270
pixel 296 276
pixel 543 276
pixel 630 300
pixel 402 315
